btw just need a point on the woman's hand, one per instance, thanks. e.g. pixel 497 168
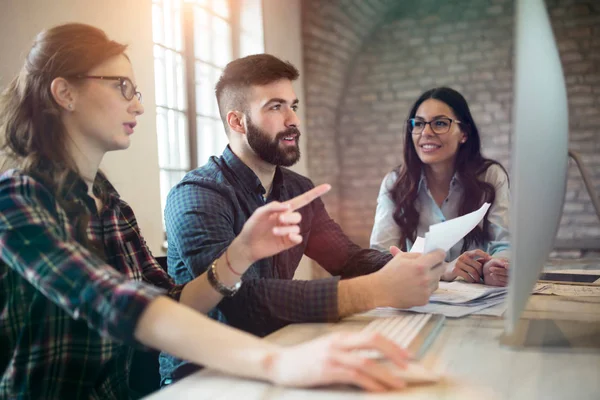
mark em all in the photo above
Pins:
pixel 469 266
pixel 332 359
pixel 495 272
pixel 273 228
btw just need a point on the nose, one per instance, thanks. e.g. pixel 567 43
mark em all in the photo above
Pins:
pixel 292 119
pixel 136 107
pixel 427 130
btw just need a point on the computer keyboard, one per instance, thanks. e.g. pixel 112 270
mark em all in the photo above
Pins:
pixel 412 331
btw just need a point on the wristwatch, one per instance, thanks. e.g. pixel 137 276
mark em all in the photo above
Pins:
pixel 213 279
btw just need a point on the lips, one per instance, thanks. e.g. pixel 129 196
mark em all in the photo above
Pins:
pixel 129 126
pixel 289 136
pixel 429 147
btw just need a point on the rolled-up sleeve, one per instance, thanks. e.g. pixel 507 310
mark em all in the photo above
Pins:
pixel 37 246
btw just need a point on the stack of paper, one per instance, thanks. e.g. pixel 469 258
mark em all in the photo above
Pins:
pixel 465 293
pixel 457 299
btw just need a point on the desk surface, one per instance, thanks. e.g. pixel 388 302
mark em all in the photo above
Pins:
pixel 467 349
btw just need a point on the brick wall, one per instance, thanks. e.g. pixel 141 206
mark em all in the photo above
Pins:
pixel 365 69
pixel 333 33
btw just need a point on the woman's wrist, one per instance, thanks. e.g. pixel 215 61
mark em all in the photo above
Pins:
pixel 449 274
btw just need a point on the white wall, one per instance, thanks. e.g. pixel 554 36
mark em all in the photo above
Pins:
pixel 134 172
pixel 283 39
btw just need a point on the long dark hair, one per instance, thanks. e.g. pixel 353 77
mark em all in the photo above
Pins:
pixel 32 131
pixel 470 165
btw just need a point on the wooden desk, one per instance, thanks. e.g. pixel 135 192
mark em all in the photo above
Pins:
pixel 467 349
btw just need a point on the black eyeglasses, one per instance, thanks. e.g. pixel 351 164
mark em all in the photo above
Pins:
pixel 128 90
pixel 439 125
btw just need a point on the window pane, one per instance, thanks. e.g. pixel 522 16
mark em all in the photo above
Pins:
pixel 180 79
pixel 173 143
pixel 251 37
pixel 202 39
pixel 250 45
pixel 177 26
pixel 168 179
pixel 175 81
pixel 178 140
pixel 163 136
pixel 221 137
pixel 221 37
pixel 221 7
pixel 160 73
pixel 158 28
pixel 172 20
pixel 251 16
pixel 206 79
pixel 211 138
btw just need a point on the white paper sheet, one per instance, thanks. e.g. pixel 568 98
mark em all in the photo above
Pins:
pixel 456 310
pixel 567 290
pixel 497 310
pixel 418 246
pixel 461 292
pixel 446 234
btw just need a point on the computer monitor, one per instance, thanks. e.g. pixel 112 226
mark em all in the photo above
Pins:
pixel 539 152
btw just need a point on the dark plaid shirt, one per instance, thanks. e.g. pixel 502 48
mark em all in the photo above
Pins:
pixel 67 318
pixel 207 210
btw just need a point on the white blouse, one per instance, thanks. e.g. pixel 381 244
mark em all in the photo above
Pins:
pixel 386 232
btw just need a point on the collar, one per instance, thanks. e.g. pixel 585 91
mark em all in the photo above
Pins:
pixel 248 179
pixel 101 185
pixel 454 182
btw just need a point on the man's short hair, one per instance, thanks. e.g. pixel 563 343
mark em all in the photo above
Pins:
pixel 239 75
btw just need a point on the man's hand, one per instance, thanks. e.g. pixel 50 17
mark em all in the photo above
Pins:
pixel 273 228
pixel 407 280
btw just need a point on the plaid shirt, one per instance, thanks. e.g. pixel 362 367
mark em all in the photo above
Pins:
pixel 207 210
pixel 67 318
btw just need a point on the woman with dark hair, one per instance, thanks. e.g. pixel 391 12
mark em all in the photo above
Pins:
pixel 79 288
pixel 444 175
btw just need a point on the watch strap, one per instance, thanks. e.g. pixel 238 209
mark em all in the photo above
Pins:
pixel 215 282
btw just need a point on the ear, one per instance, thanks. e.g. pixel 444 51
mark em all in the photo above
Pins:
pixel 63 93
pixel 464 138
pixel 235 121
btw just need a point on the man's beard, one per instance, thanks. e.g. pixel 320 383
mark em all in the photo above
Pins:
pixel 269 150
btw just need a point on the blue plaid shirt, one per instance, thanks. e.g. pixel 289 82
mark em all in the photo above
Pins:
pixel 207 210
